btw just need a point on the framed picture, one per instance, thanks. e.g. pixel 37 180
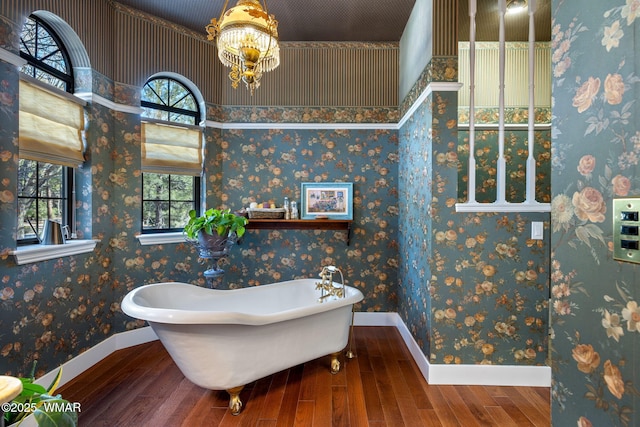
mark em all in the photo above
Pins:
pixel 329 200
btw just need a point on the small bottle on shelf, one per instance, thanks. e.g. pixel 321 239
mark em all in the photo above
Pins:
pixel 294 210
pixel 287 208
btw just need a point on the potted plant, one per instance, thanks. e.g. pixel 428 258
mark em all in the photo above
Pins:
pixel 39 406
pixel 214 228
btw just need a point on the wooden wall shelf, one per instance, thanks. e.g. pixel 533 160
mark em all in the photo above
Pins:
pixel 302 224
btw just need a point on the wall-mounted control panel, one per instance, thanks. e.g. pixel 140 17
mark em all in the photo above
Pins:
pixel 626 229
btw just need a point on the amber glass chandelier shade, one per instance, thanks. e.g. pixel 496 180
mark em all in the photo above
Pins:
pixel 247 40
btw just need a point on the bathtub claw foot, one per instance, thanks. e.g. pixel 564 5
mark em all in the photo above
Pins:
pixel 235 404
pixel 335 363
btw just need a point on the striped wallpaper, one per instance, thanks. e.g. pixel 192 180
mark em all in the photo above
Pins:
pixel 128 46
pixel 445 28
pixel 327 74
pixel 516 74
pixel 91 20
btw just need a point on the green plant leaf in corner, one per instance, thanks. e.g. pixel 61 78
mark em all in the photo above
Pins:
pixel 63 416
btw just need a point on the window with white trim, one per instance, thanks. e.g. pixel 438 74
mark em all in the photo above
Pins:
pixel 51 123
pixel 171 155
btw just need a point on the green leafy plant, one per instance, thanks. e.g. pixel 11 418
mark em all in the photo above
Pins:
pixel 49 410
pixel 215 219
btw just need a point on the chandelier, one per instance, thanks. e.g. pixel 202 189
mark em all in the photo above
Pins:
pixel 515 6
pixel 247 40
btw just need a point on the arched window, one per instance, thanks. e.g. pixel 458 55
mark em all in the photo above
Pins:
pixel 167 99
pixel 171 154
pixel 50 132
pixel 47 59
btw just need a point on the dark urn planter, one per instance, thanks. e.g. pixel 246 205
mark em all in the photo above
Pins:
pixel 213 245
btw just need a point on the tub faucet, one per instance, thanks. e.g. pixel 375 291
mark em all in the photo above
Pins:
pixel 326 285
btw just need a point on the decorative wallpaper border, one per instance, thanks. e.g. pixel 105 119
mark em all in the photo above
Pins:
pixel 512 115
pixel 370 115
pixel 121 8
pixel 439 69
pixel 509 45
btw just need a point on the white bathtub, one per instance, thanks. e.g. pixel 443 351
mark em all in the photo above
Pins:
pixel 225 339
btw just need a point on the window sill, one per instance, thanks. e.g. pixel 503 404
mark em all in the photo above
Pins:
pixel 160 238
pixel 34 253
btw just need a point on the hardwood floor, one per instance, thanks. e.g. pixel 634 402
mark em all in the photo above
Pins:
pixel 141 386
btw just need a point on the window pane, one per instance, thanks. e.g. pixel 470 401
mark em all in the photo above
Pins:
pixel 180 213
pixel 187 103
pixel 27 183
pixel 41 213
pixel 172 98
pixel 182 118
pixel 53 210
pixel 26 211
pixel 49 79
pixel 155 114
pixel 181 188
pixel 36 40
pixel 28 37
pixel 155 91
pixel 41 196
pixel 155 214
pixel 50 181
pixel 155 186
pixel 176 92
pixel 167 200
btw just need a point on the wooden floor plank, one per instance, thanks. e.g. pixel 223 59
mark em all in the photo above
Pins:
pixel 339 406
pixel 355 395
pixel 381 387
pixel 500 417
pixel 441 408
pixel 287 414
pixel 429 418
pixel 392 413
pixel 412 377
pixel 372 398
pixel 308 382
pixel 527 402
pixel 401 390
pixel 466 413
pixel 476 405
pixel 323 397
pixel 304 413
pixel 273 401
pixel 513 411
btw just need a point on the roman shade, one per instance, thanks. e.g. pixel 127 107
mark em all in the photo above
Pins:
pixel 50 126
pixel 171 149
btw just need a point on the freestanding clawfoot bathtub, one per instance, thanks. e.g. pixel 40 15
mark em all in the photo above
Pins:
pixel 225 339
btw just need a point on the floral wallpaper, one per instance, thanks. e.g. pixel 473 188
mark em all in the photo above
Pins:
pixel 515 152
pixel 414 231
pixel 474 287
pixel 267 165
pixel 53 310
pixel 596 146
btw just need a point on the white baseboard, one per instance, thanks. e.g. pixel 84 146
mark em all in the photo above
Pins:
pixel 95 354
pixel 500 375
